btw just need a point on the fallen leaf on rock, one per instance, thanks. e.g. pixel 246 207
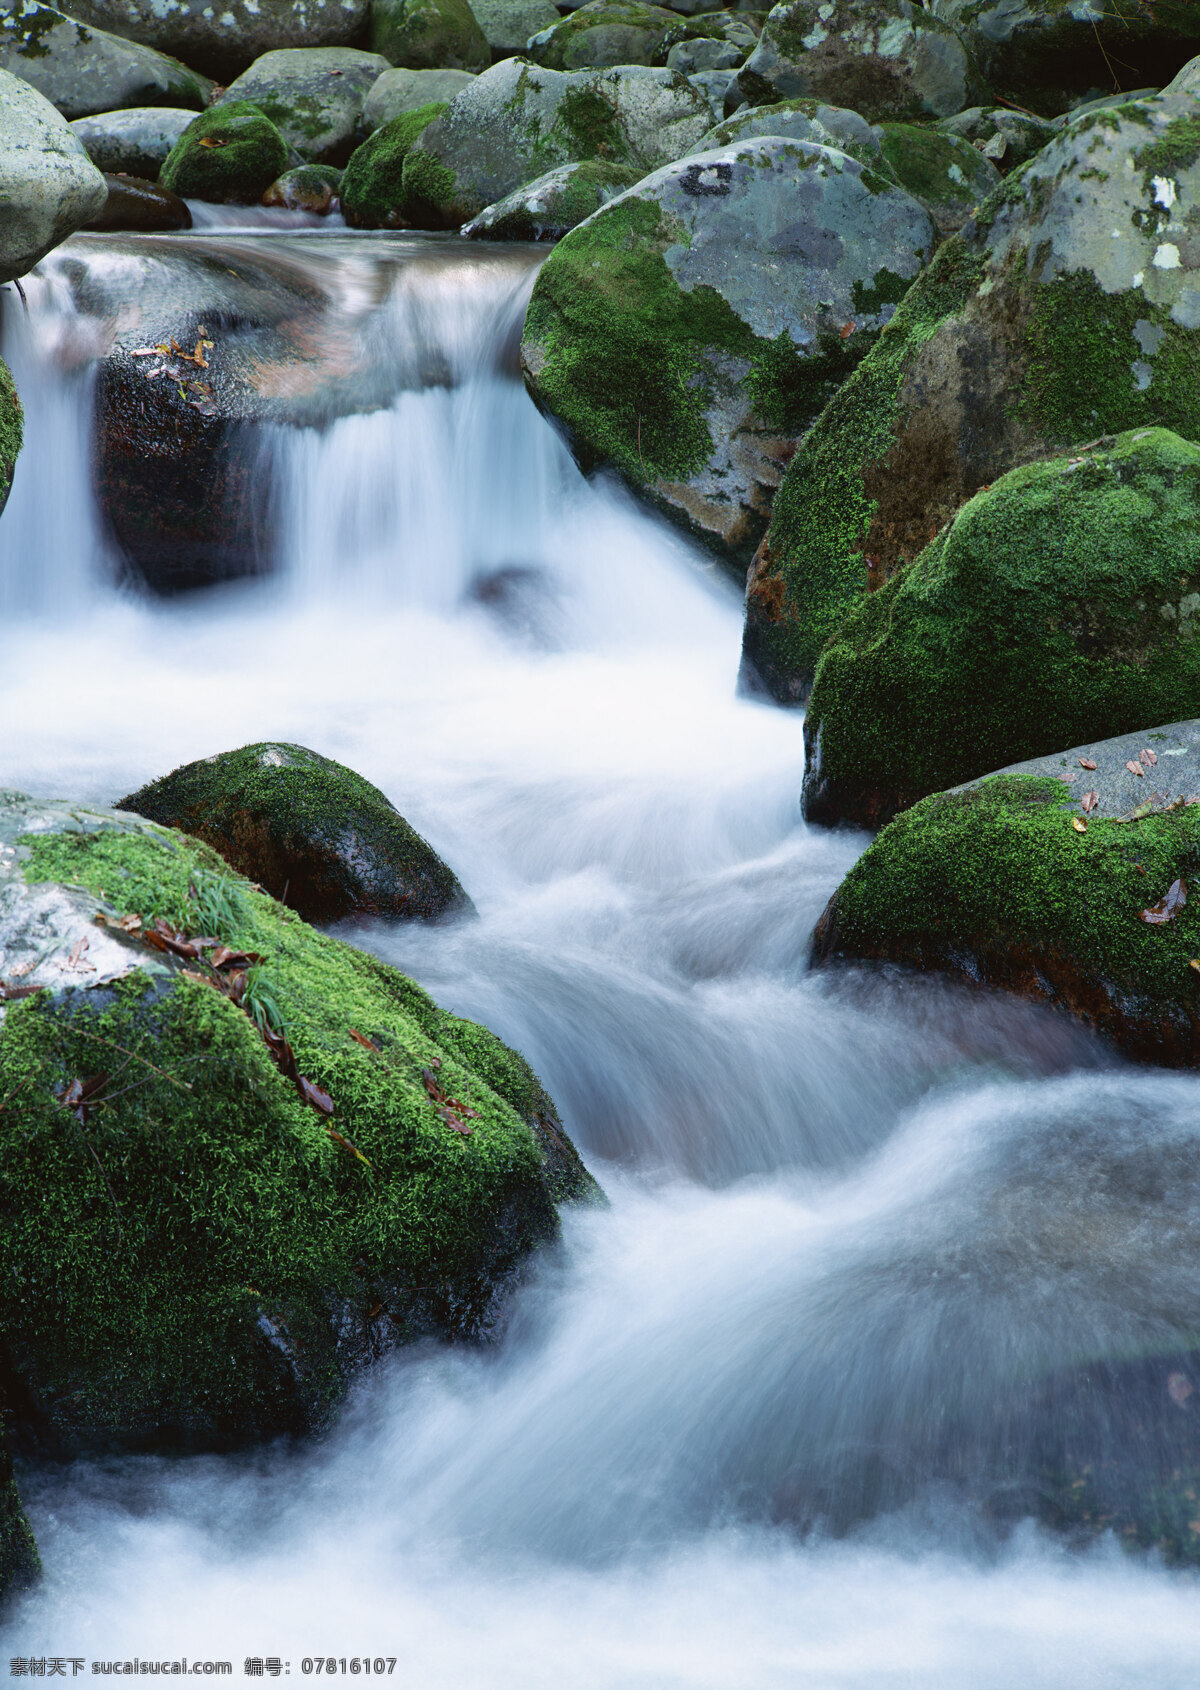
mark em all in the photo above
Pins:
pixel 1195 963
pixel 1169 907
pixel 1150 757
pixel 1135 768
pixel 848 330
pixel 1087 762
pixel 1089 801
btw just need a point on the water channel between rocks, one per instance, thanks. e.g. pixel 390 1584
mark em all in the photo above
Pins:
pixel 744 1428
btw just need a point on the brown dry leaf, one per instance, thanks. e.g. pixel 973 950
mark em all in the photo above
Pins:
pixel 1150 757
pixel 354 1151
pixel 1089 801
pixel 1078 823
pixel 1169 907
pixel 1087 762
pixel 1135 768
pixel 366 1043
pixel 224 957
pixel 452 1121
pixel 14 994
pixel 848 330
pixel 212 141
pixel 314 1094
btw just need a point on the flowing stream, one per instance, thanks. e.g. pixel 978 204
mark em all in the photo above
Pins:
pixel 740 1430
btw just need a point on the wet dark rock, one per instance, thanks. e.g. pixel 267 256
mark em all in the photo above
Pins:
pixel 308 830
pixel 139 205
pixel 312 187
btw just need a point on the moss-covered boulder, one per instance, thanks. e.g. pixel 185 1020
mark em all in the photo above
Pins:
pixel 313 95
pixel 1008 138
pixel 544 210
pixel 737 31
pixel 310 187
pixel 230 154
pixel 604 32
pixel 222 40
pixel 20 1563
pixel 883 58
pixel 1063 603
pixel 429 35
pixel 11 431
pixel 82 70
pixel 1067 309
pixel 517 121
pixel 373 195
pixel 1049 56
pixel 246 1158
pixel 691 330
pixel 1012 883
pixel 310 831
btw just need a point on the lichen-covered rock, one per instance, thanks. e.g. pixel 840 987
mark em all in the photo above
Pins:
pixel 399 91
pixel 691 330
pixel 242 1172
pixel 20 1563
pixel 1007 138
pixel 801 120
pixel 1061 604
pixel 136 141
pixel 11 431
pixel 604 32
pixel 1187 81
pixel 373 195
pixel 517 121
pixel 947 174
pixel 738 30
pixel 315 188
pixel 50 185
pixel 997 885
pixel 230 155
pixel 429 35
pixel 134 203
pixel 717 87
pixel 310 831
pixel 883 58
pixel 508 24
pixel 222 40
pixel 82 70
pixel 1047 56
pixel 544 210
pixel 313 95
pixel 1069 308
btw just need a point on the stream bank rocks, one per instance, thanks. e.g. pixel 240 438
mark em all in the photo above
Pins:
pixel 429 35
pixel 1068 308
pixel 399 91
pixel 373 191
pixel 1014 882
pixel 690 330
pixel 313 95
pixel 311 832
pixel 51 187
pixel 603 33
pixel 231 154
pixel 82 70
pixel 136 141
pixel 222 40
pixel 251 1157
pixel 546 209
pixel 1061 604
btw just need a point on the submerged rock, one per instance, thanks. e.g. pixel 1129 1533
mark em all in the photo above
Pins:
pixel 134 203
pixel 310 831
pixel 399 91
pixel 230 155
pixel 883 58
pixel 602 33
pixel 224 39
pixel 318 1164
pixel 51 187
pixel 11 431
pixel 544 210
pixel 1067 309
pixel 996 884
pixel 312 187
pixel 692 329
pixel 1062 603
pixel 429 35
pixel 82 70
pixel 517 121
pixel 313 95
pixel 373 192
pixel 136 141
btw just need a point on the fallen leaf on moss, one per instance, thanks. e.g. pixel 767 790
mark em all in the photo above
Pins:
pixel 366 1043
pixel 212 141
pixel 354 1151
pixel 1078 823
pixel 1195 963
pixel 314 1094
pixel 1169 907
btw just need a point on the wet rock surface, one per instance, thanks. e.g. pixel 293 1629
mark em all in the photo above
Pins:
pixel 136 204
pixel 51 187
pixel 136 141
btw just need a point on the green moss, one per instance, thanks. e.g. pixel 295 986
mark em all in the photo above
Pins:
pixel 1054 610
pixel 886 288
pixel 1000 871
pixel 429 35
pixel 588 122
pixel 1175 150
pixel 199 1257
pixel 11 430
pixel 558 52
pixel 372 190
pixel 430 192
pixel 230 154
pixel 923 161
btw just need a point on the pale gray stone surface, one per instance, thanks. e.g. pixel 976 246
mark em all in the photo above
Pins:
pixel 313 95
pixel 1170 774
pixel 224 38
pixel 402 90
pixel 50 186
pixel 136 140
pixel 81 69
pixel 508 24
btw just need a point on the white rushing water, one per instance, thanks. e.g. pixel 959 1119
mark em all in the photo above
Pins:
pixel 850 1213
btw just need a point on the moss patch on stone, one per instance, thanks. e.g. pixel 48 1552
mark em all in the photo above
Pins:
pixel 11 430
pixel 1061 605
pixel 565 49
pixel 230 155
pixel 372 189
pixel 195 1257
pixel 429 35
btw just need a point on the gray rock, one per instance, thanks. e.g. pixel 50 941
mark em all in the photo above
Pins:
pixel 883 58
pixel 1170 775
pixel 604 32
pixel 223 39
pixel 691 57
pixel 429 34
pixel 1103 102
pixel 81 69
pixel 51 186
pixel 1187 81
pixel 314 96
pixel 136 140
pixel 544 210
pixel 1007 138
pixel 687 333
pixel 508 24
pixel 404 90
pixel 517 121
pixel 801 120
pixel 715 85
